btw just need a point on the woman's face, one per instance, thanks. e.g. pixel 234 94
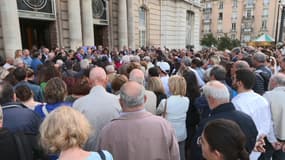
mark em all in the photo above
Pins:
pixel 207 153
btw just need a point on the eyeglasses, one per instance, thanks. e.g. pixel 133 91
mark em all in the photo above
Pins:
pixel 199 141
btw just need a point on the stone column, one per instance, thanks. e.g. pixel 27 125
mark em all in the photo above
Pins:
pixel 123 27
pixel 74 18
pixel 87 23
pixel 131 28
pixel 10 27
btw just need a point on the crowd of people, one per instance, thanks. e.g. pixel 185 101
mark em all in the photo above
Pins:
pixel 144 104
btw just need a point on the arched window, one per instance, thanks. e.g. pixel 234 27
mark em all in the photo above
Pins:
pixel 142 26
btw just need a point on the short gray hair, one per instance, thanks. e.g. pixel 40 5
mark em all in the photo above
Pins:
pixel 217 90
pixel 279 79
pixel 259 57
pixel 132 100
pixel 186 60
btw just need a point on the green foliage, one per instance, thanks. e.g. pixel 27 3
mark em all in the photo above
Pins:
pixel 209 40
pixel 222 43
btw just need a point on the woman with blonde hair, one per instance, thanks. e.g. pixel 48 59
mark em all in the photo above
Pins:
pixel 175 108
pixel 155 84
pixel 65 131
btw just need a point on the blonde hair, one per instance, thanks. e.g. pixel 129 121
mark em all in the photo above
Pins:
pixel 64 128
pixel 155 85
pixel 177 85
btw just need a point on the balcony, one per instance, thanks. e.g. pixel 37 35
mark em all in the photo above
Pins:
pixel 247 30
pixel 207 10
pixel 207 21
pixel 248 18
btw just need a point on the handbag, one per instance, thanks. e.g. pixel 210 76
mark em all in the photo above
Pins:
pixel 164 111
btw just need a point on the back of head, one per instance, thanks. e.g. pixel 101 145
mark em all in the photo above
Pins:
pixel 226 137
pixel 118 81
pixel 153 72
pixel 155 85
pixel 6 93
pixel 240 64
pixel 137 75
pixel 215 59
pixel 177 85
pixel 218 72
pixel 132 95
pixel 259 57
pixel 23 93
pixel 186 61
pixel 247 78
pixel 55 90
pixel 97 76
pixel 84 64
pixel 55 138
pixel 277 80
pixel 20 73
pixel 217 91
pixel 2 61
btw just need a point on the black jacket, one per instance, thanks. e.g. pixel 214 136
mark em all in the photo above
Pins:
pixel 226 111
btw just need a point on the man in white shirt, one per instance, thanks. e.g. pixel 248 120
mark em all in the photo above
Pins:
pixel 254 105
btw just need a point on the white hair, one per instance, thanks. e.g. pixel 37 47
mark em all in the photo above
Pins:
pixel 219 93
pixel 132 100
pixel 126 59
pixel 84 64
pixel 110 68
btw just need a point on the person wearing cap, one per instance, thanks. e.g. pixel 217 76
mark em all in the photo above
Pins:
pixel 164 68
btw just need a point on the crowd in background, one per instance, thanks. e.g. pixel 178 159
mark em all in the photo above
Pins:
pixel 148 103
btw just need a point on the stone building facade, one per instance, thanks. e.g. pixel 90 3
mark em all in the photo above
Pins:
pixel 111 23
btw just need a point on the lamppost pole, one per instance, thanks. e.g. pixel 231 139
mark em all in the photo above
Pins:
pixel 277 21
pixel 281 24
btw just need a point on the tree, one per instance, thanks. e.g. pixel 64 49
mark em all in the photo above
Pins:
pixel 208 40
pixel 224 43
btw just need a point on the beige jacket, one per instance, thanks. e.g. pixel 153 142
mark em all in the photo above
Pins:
pixel 139 136
pixel 276 98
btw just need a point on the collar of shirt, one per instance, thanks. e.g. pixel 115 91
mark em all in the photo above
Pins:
pixel 226 107
pixel 128 113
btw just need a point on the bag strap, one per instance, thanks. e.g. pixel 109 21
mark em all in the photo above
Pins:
pixel 165 107
pixel 102 155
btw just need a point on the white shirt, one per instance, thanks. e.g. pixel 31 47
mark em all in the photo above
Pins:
pixel 177 107
pixel 258 109
pixel 165 85
pixel 201 83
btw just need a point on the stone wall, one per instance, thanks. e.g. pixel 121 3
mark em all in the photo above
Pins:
pixel 173 24
pixel 114 23
pixel 62 24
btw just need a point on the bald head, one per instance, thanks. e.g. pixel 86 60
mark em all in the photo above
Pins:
pixel 217 91
pixel 240 64
pixel 132 95
pixel 137 75
pixel 98 76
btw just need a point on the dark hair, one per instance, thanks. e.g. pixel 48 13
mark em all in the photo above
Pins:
pixel 47 71
pixel 219 72
pixel 23 93
pixel 247 78
pixel 153 72
pixel 192 91
pixel 20 73
pixel 77 86
pixel 55 90
pixel 6 92
pixel 226 137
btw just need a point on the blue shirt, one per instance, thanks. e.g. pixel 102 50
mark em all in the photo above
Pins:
pixel 35 63
pixel 27 60
pixel 39 109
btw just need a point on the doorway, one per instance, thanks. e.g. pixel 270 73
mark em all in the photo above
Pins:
pixel 101 35
pixel 35 33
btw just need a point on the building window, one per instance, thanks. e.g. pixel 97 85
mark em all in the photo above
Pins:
pixel 208 5
pixel 264 25
pixel 220 28
pixel 233 36
pixel 246 38
pixel 234 26
pixel 142 26
pixel 265 2
pixel 235 3
pixel 189 27
pixel 221 5
pixel 234 15
pixel 248 13
pixel 265 12
pixel 207 28
pixel 220 16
